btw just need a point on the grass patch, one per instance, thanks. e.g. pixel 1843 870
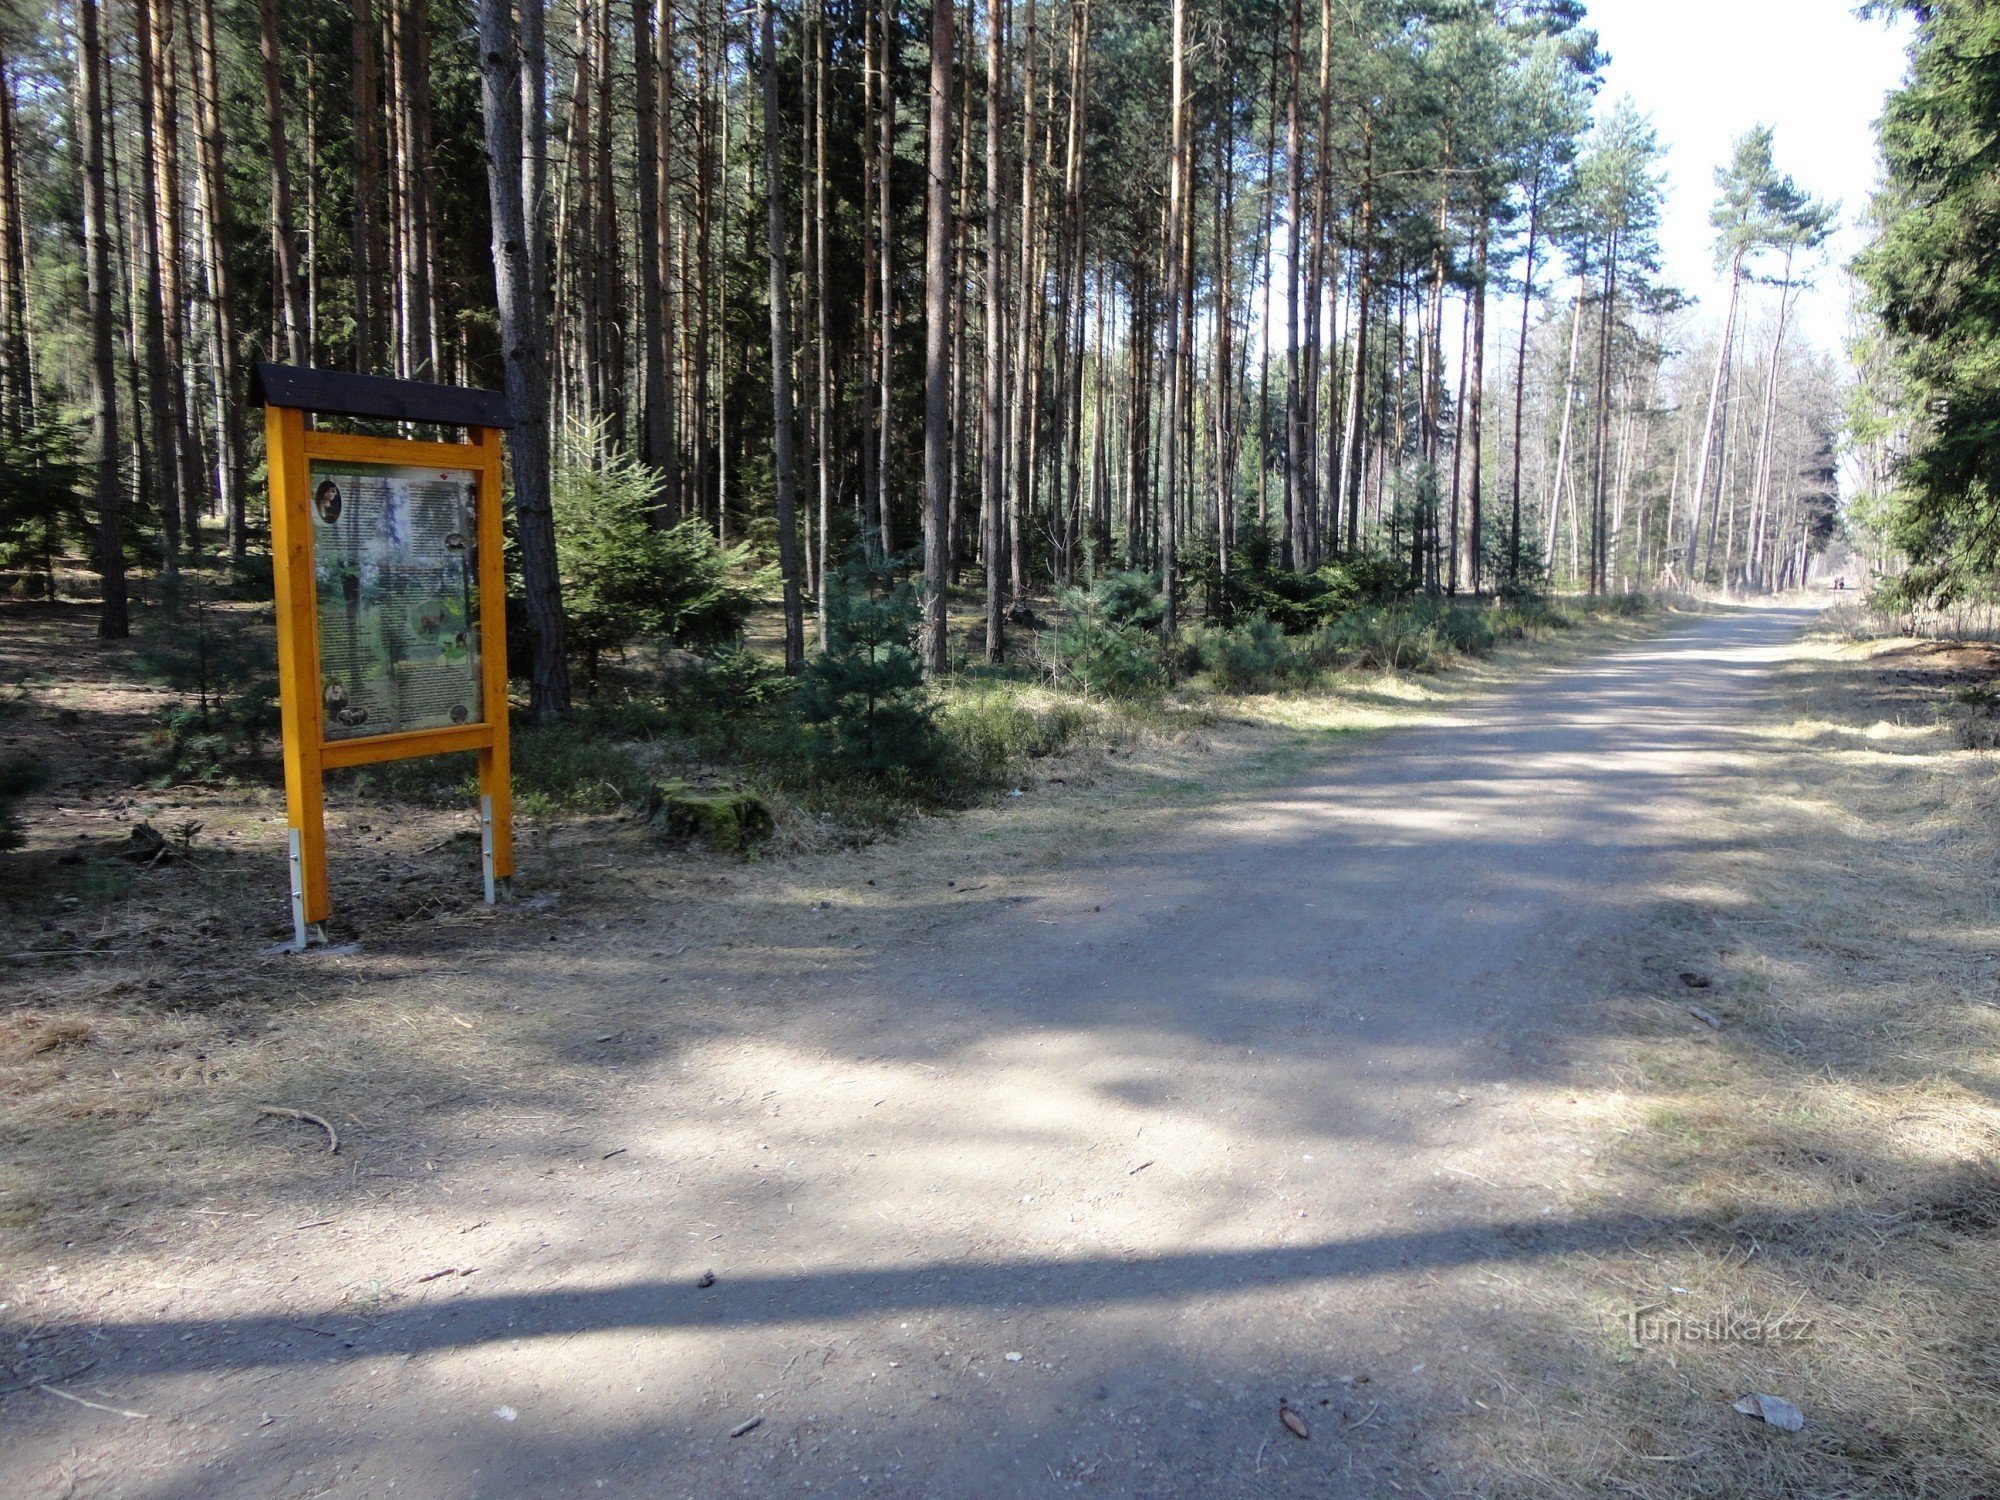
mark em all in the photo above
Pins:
pixel 1832 1155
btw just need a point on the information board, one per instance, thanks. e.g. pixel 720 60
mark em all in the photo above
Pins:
pixel 382 551
pixel 396 577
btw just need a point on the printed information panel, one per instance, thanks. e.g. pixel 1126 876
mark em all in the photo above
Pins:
pixel 397 585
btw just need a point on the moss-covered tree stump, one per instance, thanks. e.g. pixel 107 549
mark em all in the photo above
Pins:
pixel 721 819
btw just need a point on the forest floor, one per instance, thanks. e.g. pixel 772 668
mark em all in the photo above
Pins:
pixel 1054 1146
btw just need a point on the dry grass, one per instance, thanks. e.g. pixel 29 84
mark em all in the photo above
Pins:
pixel 1832 1155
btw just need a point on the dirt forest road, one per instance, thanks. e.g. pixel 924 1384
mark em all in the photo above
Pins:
pixel 1068 1199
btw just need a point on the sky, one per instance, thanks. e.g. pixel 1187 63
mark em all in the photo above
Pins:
pixel 1707 70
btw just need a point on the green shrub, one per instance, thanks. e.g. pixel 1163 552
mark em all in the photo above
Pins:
pixel 1465 629
pixel 731 682
pixel 1252 656
pixel 223 666
pixel 1533 616
pixel 43 482
pixel 1366 580
pixel 1128 598
pixel 866 708
pixel 1110 641
pixel 996 729
pixel 1389 640
pixel 624 577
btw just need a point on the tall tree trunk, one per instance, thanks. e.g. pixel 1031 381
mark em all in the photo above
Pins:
pixel 655 414
pixel 1295 235
pixel 1069 293
pixel 17 376
pixel 1225 397
pixel 1535 187
pixel 1352 473
pixel 221 281
pixel 961 272
pixel 1264 337
pixel 169 212
pixel 937 345
pixel 783 456
pixel 1021 490
pixel 993 507
pixel 113 619
pixel 1177 192
pixel 1606 321
pixel 871 328
pixel 884 245
pixel 365 113
pixel 1708 421
pixel 1562 441
pixel 511 73
pixel 1761 492
pixel 1322 248
pixel 607 260
pixel 1471 434
pixel 823 393
pixel 703 333
pixel 163 471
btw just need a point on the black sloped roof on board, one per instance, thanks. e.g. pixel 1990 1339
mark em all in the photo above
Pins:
pixel 339 393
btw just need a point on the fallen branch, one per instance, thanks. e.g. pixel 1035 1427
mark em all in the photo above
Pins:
pixel 116 1411
pixel 332 1135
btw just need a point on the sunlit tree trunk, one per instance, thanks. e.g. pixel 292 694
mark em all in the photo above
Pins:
pixel 993 506
pixel 1177 192
pixel 783 451
pixel 113 621
pixel 17 376
pixel 937 344
pixel 1708 420
pixel 163 471
pixel 511 76
pixel 221 281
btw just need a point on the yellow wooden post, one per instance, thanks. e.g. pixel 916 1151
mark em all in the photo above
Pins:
pixel 496 794
pixel 298 664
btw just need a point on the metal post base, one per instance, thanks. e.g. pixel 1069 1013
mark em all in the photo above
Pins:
pixel 486 850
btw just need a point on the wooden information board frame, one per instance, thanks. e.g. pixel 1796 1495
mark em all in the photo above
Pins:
pixel 289 394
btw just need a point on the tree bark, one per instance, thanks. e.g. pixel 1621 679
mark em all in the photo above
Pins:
pixel 783 448
pixel 365 109
pixel 1472 432
pixel 1177 192
pixel 1364 286
pixel 937 345
pixel 17 376
pixel 113 619
pixel 1021 489
pixel 884 244
pixel 1294 550
pixel 164 470
pixel 1521 370
pixel 993 512
pixel 823 392
pixel 654 413
pixel 1606 318
pixel 221 283
pixel 1708 422
pixel 510 71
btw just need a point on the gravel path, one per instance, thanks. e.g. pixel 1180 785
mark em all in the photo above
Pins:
pixel 1067 1199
